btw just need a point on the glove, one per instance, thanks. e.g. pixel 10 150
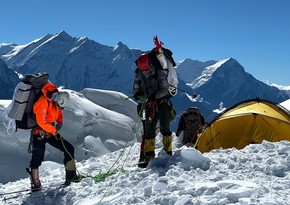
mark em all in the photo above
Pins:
pixel 58 126
pixel 172 114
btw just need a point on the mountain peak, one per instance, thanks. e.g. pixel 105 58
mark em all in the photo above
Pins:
pixel 63 33
pixel 62 36
pixel 121 47
pixel 121 44
pixel 209 71
pixel 228 64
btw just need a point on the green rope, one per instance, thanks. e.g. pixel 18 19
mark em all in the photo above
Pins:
pixel 79 176
pixel 112 171
pixel 101 176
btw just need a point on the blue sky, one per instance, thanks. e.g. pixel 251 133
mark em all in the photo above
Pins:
pixel 254 32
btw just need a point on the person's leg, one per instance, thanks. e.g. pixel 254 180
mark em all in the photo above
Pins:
pixel 38 149
pixel 140 109
pixel 150 130
pixel 164 119
pixel 142 155
pixel 68 151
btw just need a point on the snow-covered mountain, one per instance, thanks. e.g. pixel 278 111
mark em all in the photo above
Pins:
pixel 78 63
pixel 227 82
pixel 6 48
pixel 189 69
pixel 100 67
pixel 8 79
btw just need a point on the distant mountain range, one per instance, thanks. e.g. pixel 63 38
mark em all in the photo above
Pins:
pixel 8 79
pixel 78 63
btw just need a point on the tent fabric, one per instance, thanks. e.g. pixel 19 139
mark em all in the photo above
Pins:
pixel 246 123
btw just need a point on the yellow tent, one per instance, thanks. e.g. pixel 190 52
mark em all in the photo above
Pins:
pixel 248 122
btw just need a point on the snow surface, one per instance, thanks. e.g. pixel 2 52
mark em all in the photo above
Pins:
pixel 257 174
pixel 286 104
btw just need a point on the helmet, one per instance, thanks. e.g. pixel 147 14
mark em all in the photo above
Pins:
pixel 61 98
pixel 143 62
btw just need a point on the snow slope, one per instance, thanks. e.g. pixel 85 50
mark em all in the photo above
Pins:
pixel 257 174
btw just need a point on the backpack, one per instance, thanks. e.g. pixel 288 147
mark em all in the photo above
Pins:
pixel 167 62
pixel 26 93
pixel 193 124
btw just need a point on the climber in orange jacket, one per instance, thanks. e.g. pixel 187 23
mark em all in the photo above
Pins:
pixel 46 111
pixel 49 117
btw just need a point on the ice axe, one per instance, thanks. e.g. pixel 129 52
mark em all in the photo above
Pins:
pixel 191 95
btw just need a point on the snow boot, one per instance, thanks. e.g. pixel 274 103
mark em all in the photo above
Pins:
pixel 141 158
pixel 144 163
pixel 70 173
pixel 148 154
pixel 142 154
pixel 167 144
pixel 149 148
pixel 34 179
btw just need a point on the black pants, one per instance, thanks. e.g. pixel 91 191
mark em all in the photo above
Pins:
pixel 162 115
pixel 38 144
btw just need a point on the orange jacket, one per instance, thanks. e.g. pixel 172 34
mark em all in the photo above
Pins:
pixel 46 111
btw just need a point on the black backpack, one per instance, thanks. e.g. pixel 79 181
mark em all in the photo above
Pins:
pixel 26 93
pixel 193 124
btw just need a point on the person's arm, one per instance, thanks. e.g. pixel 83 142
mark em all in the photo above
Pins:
pixel 60 117
pixel 40 110
pixel 137 86
pixel 59 120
